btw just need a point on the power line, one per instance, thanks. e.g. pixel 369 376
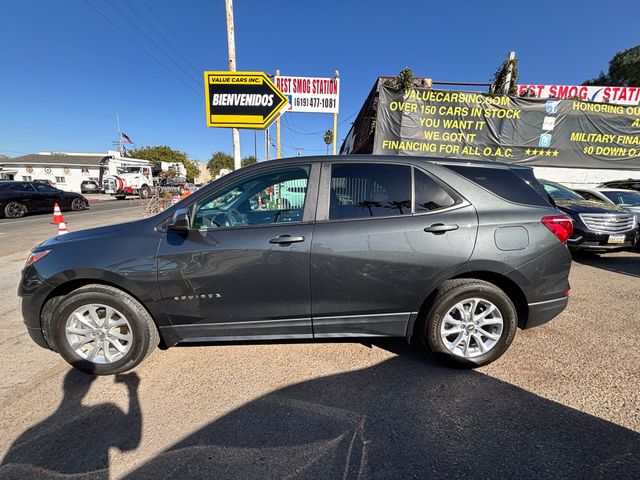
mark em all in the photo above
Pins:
pixel 160 34
pixel 135 42
pixel 153 42
pixel 168 29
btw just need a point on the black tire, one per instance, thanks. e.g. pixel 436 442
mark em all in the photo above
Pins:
pixel 15 210
pixel 145 335
pixel 448 295
pixel 120 197
pixel 145 192
pixel 78 204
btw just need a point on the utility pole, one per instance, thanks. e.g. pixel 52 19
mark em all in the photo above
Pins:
pixel 278 148
pixel 507 82
pixel 335 123
pixel 266 144
pixel 120 144
pixel 231 45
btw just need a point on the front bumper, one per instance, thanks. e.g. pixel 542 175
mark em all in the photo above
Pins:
pixel 34 292
pixel 543 312
pixel 589 240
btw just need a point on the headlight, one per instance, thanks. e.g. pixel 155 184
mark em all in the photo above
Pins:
pixel 35 256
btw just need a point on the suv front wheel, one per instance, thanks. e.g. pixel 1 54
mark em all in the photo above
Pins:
pixel 102 330
pixel 470 323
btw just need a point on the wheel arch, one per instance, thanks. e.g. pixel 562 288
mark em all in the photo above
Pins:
pixel 65 288
pixel 507 285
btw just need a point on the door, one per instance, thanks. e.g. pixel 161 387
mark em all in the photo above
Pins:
pixel 242 270
pixel 386 235
pixel 46 197
pixel 24 193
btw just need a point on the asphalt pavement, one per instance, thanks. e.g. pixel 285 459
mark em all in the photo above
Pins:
pixel 563 402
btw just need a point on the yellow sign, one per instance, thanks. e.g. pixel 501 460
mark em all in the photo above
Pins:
pixel 241 99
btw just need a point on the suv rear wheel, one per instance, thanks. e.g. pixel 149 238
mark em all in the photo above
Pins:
pixel 470 323
pixel 102 330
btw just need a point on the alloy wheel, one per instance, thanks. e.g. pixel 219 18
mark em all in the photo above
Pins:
pixel 99 333
pixel 472 327
pixel 15 210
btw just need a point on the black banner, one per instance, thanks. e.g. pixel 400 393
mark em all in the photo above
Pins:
pixel 556 133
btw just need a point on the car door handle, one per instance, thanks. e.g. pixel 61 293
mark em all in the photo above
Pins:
pixel 286 239
pixel 440 228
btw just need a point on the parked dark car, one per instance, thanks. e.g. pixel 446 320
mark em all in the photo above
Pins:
pixel 628 184
pixel 18 199
pixel 90 186
pixel 597 226
pixel 627 199
pixel 454 255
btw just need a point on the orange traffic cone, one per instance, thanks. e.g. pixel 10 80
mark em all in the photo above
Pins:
pixel 57 215
pixel 62 228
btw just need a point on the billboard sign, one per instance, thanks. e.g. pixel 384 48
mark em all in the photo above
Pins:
pixel 310 94
pixel 617 95
pixel 542 132
pixel 241 99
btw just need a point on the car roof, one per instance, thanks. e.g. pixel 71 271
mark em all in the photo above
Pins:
pixel 397 159
pixel 605 189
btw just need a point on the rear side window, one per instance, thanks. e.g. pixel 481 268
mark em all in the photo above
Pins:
pixel 518 188
pixel 429 195
pixel 369 190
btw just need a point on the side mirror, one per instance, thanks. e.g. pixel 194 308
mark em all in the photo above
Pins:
pixel 180 220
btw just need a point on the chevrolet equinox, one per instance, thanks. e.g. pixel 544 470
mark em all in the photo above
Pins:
pixel 453 254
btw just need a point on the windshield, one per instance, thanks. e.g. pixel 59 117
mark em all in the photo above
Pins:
pixel 129 169
pixel 558 192
pixel 623 198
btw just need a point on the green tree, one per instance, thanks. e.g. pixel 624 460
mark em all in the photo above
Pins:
pixel 163 153
pixel 249 160
pixel 624 70
pixel 499 80
pixel 218 161
pixel 328 138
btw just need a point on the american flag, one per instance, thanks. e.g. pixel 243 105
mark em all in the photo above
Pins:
pixel 124 138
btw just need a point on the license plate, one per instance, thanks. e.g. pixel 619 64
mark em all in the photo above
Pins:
pixel 616 238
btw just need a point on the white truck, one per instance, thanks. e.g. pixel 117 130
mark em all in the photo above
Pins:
pixel 122 177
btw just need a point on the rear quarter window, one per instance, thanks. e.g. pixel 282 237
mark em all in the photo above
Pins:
pixel 521 187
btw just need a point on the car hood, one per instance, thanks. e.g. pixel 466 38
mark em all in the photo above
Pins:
pixel 587 206
pixel 88 233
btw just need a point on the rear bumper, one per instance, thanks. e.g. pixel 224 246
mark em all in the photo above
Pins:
pixel 543 312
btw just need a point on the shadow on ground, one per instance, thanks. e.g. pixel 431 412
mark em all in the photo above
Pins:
pixel 407 417
pixel 626 265
pixel 74 441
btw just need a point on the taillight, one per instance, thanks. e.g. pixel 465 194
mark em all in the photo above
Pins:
pixel 560 225
pixel 35 256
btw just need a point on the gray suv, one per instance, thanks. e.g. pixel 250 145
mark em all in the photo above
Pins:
pixel 454 255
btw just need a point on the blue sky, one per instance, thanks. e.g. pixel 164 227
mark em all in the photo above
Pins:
pixel 66 68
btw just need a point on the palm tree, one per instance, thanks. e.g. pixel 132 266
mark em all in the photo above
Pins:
pixel 328 139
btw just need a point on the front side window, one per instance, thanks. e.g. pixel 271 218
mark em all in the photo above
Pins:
pixel 369 190
pixel 272 197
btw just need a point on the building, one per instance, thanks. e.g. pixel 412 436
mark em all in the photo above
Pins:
pixel 569 140
pixel 65 171
pixel 204 175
